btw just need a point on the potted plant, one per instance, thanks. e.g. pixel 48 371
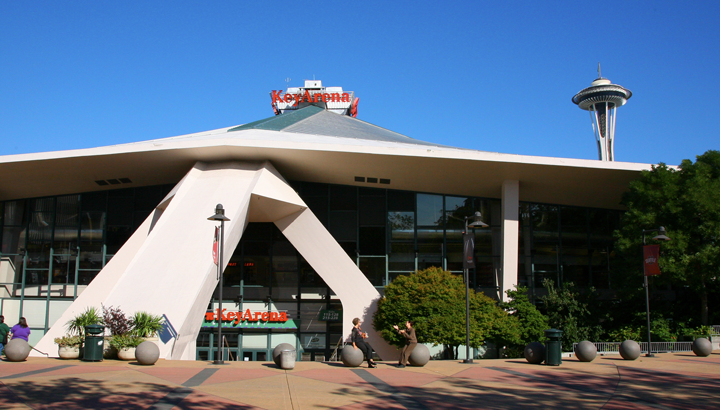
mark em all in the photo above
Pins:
pixel 147 325
pixel 69 346
pixel 125 345
pixel 118 324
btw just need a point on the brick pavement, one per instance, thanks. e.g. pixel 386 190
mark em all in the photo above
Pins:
pixel 667 381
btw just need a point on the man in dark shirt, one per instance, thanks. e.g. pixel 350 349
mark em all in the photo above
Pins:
pixel 410 342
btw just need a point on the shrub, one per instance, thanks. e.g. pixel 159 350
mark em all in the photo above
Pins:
pixel 76 325
pixel 116 321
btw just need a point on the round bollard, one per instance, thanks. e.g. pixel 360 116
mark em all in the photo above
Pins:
pixel 629 350
pixel 420 356
pixel 702 347
pixel 278 350
pixel 586 351
pixel 535 353
pixel 351 357
pixel 147 353
pixel 17 350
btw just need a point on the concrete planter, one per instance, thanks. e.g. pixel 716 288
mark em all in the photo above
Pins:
pixel 69 352
pixel 127 353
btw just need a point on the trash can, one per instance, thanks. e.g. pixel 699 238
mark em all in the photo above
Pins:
pixel 287 359
pixel 94 343
pixel 553 347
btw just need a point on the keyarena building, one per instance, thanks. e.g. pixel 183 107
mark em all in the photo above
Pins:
pixel 325 210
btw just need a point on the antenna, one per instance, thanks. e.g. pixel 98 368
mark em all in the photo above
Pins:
pixel 287 80
pixel 599 75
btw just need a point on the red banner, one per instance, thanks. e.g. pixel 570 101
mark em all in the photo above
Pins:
pixel 215 244
pixel 651 257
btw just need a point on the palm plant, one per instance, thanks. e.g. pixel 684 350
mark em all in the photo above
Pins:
pixel 90 316
pixel 146 324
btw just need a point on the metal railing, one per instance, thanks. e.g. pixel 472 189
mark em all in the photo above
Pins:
pixel 657 347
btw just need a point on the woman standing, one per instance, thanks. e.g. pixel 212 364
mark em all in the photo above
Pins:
pixel 358 341
pixel 21 330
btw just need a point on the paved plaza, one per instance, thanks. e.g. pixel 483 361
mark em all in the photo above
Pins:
pixel 668 381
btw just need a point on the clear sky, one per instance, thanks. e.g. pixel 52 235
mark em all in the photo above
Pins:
pixel 491 76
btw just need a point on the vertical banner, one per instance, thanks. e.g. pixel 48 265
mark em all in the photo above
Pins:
pixel 651 256
pixel 468 251
pixel 215 245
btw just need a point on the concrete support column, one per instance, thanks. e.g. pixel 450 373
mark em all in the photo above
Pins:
pixel 510 235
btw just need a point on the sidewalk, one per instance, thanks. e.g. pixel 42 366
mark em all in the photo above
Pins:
pixel 680 380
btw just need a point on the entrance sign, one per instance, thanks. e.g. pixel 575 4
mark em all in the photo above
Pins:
pixel 248 320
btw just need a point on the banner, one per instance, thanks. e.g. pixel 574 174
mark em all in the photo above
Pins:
pixel 468 251
pixel 651 256
pixel 215 245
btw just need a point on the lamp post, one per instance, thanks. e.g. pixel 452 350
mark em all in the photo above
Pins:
pixel 220 216
pixel 659 237
pixel 468 262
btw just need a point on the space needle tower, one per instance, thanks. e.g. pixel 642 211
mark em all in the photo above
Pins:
pixel 601 100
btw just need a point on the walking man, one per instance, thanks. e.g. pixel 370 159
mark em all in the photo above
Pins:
pixel 410 342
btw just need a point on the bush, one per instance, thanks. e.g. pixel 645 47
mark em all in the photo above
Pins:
pixel 116 321
pixel 69 341
pixel 146 325
pixel 77 324
pixel 125 341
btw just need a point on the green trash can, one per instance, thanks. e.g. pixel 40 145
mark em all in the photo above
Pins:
pixel 553 347
pixel 94 343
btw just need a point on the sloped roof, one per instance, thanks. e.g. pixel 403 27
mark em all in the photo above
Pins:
pixel 317 121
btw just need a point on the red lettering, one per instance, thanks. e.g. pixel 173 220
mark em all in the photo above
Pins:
pixel 221 315
pixel 335 97
pixel 264 316
pixel 256 316
pixel 288 98
pixel 306 96
pixel 283 316
pixel 209 316
pixel 325 97
pixel 274 317
pixel 276 96
pixel 230 316
pixel 346 97
pixel 248 315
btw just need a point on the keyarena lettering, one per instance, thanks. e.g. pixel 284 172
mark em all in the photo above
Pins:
pixel 246 316
pixel 310 98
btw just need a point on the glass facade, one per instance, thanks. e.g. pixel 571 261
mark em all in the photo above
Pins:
pixel 53 247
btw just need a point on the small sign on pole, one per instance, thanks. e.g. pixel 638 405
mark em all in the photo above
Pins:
pixel 651 257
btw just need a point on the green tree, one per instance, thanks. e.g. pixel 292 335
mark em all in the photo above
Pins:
pixel 686 201
pixel 567 310
pixel 435 300
pixel 531 323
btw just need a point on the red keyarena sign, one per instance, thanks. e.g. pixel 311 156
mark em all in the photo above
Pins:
pixel 246 316
pixel 307 97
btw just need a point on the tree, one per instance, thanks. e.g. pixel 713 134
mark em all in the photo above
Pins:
pixel 686 201
pixel 567 310
pixel 435 300
pixel 531 323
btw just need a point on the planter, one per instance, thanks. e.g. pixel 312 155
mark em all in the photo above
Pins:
pixel 69 352
pixel 109 352
pixel 127 353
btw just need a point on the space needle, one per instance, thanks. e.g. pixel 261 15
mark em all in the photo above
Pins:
pixel 601 100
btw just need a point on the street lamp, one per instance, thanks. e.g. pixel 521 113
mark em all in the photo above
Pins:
pixel 659 237
pixel 220 216
pixel 469 262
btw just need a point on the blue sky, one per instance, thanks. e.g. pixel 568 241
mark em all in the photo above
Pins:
pixel 492 76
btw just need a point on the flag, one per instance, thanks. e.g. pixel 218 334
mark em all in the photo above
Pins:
pixel 468 251
pixel 215 245
pixel 651 256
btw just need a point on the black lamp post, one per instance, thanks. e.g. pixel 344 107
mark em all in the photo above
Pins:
pixel 220 216
pixel 469 260
pixel 660 237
